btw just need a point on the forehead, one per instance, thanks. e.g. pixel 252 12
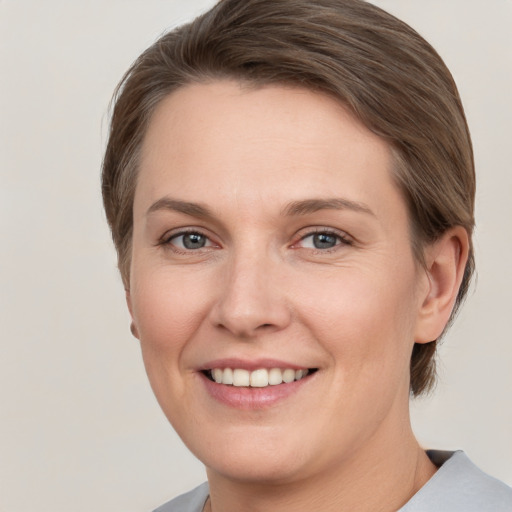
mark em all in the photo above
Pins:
pixel 207 110
pixel 222 141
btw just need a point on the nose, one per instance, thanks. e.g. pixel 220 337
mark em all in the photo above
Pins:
pixel 252 297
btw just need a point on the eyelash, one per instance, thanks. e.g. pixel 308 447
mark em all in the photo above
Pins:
pixel 341 238
pixel 167 240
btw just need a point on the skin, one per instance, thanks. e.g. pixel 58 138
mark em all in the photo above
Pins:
pixel 259 288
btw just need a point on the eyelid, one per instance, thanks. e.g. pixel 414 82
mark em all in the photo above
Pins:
pixel 168 236
pixel 166 239
pixel 343 236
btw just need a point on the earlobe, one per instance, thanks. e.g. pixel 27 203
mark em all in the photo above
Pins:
pixel 445 263
pixel 133 330
pixel 133 327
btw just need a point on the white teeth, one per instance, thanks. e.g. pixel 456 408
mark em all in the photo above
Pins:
pixel 288 375
pixel 241 378
pixel 260 378
pixel 227 376
pixel 275 376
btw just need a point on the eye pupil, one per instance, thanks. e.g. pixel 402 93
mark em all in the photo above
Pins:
pixel 324 241
pixel 194 241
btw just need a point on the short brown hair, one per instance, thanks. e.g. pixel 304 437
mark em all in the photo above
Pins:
pixel 375 64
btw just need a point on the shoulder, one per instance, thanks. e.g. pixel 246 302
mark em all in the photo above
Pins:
pixel 192 501
pixel 459 485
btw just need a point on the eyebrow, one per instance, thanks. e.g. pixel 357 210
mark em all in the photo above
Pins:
pixel 295 208
pixel 308 206
pixel 188 208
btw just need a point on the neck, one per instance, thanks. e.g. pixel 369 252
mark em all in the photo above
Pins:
pixel 381 477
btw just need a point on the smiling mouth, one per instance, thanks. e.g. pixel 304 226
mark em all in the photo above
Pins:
pixel 259 378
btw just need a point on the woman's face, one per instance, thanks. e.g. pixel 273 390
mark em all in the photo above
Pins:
pixel 270 236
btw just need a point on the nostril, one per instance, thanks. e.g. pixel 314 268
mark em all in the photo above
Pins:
pixel 247 315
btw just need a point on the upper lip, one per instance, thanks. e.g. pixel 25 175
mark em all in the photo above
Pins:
pixel 251 365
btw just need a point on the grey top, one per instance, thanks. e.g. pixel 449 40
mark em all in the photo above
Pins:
pixel 457 486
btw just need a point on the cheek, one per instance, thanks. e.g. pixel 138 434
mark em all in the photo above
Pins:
pixel 166 309
pixel 364 320
pixel 167 312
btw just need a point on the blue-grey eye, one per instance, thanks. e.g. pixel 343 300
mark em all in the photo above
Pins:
pixel 194 241
pixel 321 240
pixel 190 241
pixel 324 240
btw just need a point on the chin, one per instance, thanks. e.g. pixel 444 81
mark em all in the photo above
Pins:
pixel 256 455
pixel 257 469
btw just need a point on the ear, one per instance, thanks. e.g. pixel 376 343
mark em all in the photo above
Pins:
pixel 133 327
pixel 445 262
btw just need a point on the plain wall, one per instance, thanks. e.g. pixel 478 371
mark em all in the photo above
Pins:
pixel 80 429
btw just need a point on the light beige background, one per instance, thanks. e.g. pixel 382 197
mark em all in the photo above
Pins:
pixel 79 428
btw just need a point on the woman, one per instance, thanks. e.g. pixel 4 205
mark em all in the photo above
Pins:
pixel 290 188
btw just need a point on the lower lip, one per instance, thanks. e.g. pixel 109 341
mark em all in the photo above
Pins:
pixel 248 398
